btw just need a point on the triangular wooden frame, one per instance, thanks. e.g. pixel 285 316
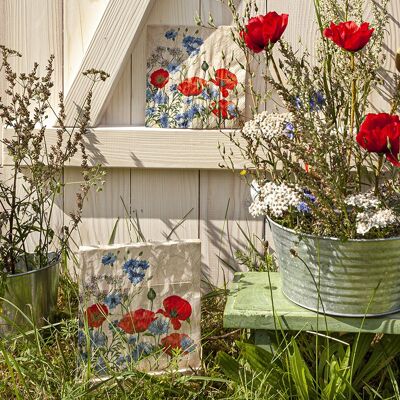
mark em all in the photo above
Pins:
pixel 109 50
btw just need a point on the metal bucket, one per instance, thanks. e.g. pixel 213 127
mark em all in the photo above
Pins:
pixel 33 293
pixel 354 278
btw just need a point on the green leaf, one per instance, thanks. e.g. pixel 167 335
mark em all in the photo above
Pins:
pixel 300 373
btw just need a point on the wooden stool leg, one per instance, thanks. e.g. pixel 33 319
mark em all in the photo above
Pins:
pixel 261 338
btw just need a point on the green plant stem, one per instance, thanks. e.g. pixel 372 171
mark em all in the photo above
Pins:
pixel 353 93
pixel 378 172
pixel 276 70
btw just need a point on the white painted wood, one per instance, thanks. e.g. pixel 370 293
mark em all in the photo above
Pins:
pixel 109 50
pixel 162 198
pixel 34 28
pixel 224 202
pixel 81 18
pixel 101 209
pixel 137 147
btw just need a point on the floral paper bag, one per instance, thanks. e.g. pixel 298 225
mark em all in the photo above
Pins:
pixel 140 306
pixel 195 78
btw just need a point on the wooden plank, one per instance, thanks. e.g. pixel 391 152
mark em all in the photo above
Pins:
pixel 137 147
pixel 224 202
pixel 34 28
pixel 101 209
pixel 381 99
pixel 81 18
pixel 109 50
pixel 118 110
pixel 162 198
pixel 250 306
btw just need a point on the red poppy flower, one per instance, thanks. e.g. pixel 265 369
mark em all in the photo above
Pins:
pixel 137 321
pixel 263 30
pixel 380 133
pixel 225 80
pixel 174 342
pixel 348 35
pixel 177 309
pixel 96 315
pixel 192 86
pixel 159 78
pixel 224 109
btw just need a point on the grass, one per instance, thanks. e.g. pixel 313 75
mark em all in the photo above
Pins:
pixel 43 364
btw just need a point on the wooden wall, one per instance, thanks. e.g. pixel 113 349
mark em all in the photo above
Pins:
pixel 162 196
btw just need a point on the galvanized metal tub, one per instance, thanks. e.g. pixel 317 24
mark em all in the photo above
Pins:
pixel 353 278
pixel 33 293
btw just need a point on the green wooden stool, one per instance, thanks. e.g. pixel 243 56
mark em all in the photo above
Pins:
pixel 250 305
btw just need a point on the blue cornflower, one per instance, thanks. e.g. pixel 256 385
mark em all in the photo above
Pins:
pixel 303 207
pixel 135 270
pixel 81 338
pixel 112 300
pixel 205 95
pixel 164 121
pixel 192 111
pixel 149 94
pixel 100 365
pixel 150 111
pixel 132 339
pixel 297 102
pixel 187 344
pixel 98 339
pixel 289 130
pixel 188 100
pixel 317 101
pixel 159 326
pixel 120 360
pixel 160 98
pixel 173 87
pixel 232 110
pixel 171 34
pixel 192 44
pixel 142 349
pixel 172 68
pixel 182 119
pixel 109 259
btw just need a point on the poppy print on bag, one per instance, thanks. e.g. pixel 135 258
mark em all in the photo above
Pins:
pixel 188 76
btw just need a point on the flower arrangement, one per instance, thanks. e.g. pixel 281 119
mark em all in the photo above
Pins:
pixel 329 166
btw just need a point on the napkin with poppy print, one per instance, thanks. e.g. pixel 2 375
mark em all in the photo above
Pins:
pixel 195 78
pixel 140 307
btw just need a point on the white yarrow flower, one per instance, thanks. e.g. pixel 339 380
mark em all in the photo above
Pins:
pixel 366 200
pixel 274 200
pixel 269 125
pixel 379 219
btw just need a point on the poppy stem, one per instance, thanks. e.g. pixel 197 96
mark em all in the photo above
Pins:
pixel 353 103
pixel 353 93
pixel 276 70
pixel 377 173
